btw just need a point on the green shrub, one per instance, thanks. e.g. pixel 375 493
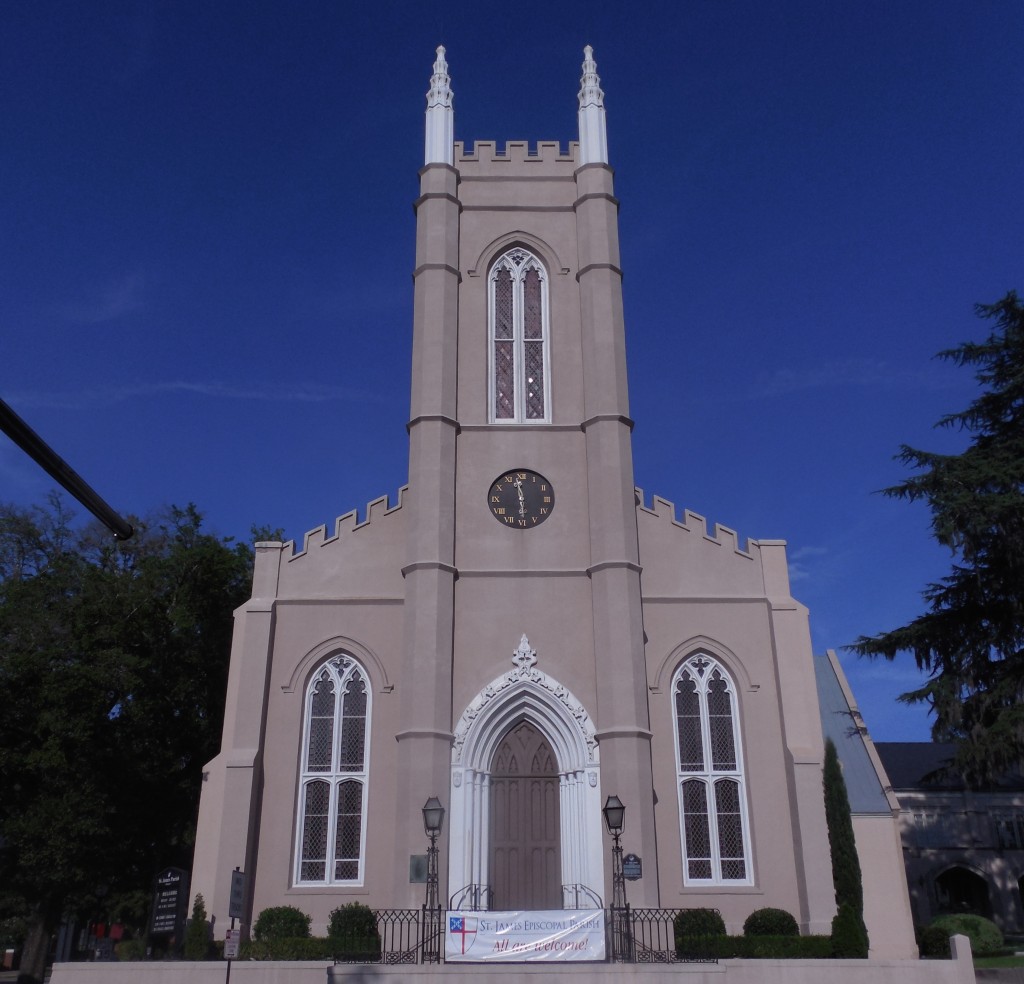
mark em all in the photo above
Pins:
pixel 849 935
pixel 130 950
pixel 281 922
pixel 770 922
pixel 932 941
pixel 764 948
pixel 353 929
pixel 197 932
pixel 354 919
pixel 984 934
pixel 699 922
pixel 693 929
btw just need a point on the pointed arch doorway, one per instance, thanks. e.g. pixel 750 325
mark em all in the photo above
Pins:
pixel 525 841
pixel 526 695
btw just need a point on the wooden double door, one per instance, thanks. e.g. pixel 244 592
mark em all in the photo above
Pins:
pixel 525 841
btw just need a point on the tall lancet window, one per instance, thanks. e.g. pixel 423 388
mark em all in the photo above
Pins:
pixel 518 302
pixel 331 829
pixel 712 796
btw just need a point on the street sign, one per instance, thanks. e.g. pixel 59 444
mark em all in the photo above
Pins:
pixel 236 901
pixel 232 942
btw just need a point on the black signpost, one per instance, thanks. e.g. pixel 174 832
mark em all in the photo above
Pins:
pixel 170 904
pixel 236 905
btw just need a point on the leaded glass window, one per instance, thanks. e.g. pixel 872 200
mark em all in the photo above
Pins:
pixel 712 797
pixel 332 795
pixel 518 314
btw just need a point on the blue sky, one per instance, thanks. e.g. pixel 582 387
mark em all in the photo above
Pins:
pixel 206 241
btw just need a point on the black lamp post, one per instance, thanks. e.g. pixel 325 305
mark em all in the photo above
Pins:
pixel 433 818
pixel 615 819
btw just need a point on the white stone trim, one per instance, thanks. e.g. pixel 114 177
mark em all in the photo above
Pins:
pixel 525 693
pixel 440 125
pixel 593 128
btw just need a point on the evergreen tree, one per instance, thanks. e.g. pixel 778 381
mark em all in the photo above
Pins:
pixel 970 640
pixel 849 934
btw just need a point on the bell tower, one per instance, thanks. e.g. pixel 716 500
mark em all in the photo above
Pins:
pixel 521 505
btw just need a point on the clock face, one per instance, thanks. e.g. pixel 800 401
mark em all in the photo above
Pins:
pixel 520 499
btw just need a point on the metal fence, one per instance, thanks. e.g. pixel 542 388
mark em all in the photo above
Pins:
pixel 404 936
pixel 414 936
pixel 649 936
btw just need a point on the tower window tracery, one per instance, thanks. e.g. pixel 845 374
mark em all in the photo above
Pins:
pixel 518 317
pixel 331 828
pixel 712 791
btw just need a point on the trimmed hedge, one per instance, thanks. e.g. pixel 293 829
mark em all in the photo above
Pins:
pixel 289 948
pixel 312 948
pixel 281 922
pixel 699 922
pixel 758 947
pixel 770 922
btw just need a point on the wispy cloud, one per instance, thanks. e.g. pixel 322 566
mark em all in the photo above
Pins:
pixel 107 302
pixel 801 560
pixel 268 392
pixel 850 372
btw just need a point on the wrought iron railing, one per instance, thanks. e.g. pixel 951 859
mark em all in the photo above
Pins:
pixel 472 898
pixel 580 897
pixel 404 936
pixel 649 936
pixel 414 936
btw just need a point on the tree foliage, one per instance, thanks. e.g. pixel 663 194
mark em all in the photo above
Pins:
pixel 849 934
pixel 113 667
pixel 970 640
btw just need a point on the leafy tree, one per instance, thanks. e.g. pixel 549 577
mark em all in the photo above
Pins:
pixel 971 638
pixel 113 666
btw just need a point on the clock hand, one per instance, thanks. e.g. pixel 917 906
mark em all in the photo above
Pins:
pixel 522 498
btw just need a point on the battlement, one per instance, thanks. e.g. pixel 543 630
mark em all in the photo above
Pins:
pixel 517 152
pixel 694 523
pixel 347 524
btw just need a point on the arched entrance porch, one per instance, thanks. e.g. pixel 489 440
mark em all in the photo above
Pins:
pixel 525 695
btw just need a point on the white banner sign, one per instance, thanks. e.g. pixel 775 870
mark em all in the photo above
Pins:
pixel 551 935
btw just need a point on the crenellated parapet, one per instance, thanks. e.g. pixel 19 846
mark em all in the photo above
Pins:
pixel 347 524
pixel 681 557
pixel 541 157
pixel 695 523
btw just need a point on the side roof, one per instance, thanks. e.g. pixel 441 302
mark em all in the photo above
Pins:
pixel 866 782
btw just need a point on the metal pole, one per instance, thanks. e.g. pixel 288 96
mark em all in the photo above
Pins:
pixel 431 952
pixel 59 470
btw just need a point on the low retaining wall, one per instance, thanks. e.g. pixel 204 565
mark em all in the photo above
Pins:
pixel 959 970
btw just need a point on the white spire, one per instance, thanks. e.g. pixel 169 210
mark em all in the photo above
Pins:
pixel 440 143
pixel 593 133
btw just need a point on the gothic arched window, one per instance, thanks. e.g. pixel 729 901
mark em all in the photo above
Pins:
pixel 518 316
pixel 332 792
pixel 712 796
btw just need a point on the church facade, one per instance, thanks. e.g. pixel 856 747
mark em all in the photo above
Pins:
pixel 522 633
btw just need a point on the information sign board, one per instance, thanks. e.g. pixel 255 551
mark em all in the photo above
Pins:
pixel 170 899
pixel 632 867
pixel 232 943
